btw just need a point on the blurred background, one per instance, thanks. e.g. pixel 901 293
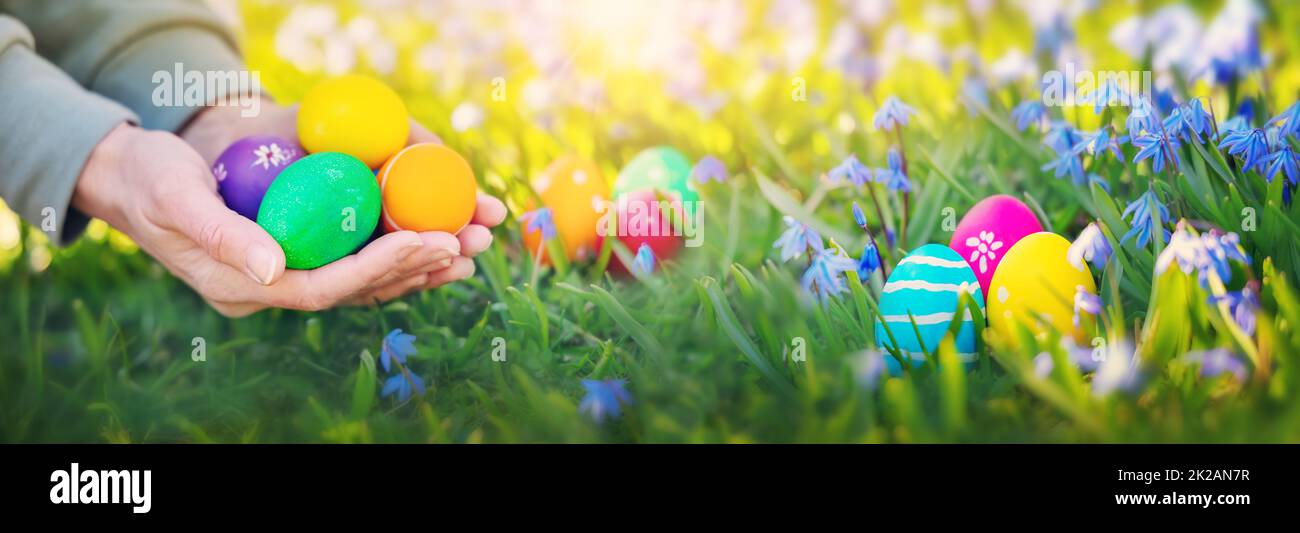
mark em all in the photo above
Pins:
pixel 516 82
pixel 787 88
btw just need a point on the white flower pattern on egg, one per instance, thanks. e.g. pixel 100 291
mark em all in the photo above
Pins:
pixel 985 249
pixel 220 172
pixel 268 155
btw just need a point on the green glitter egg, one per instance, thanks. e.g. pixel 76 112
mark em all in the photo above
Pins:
pixel 321 208
pixel 661 168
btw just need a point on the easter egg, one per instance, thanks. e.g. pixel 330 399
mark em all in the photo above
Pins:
pixel 321 208
pixel 575 190
pixel 988 230
pixel 427 187
pixel 640 218
pixel 1034 287
pixel 356 115
pixel 925 288
pixel 662 168
pixel 248 166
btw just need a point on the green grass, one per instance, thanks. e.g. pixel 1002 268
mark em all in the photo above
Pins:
pixel 97 338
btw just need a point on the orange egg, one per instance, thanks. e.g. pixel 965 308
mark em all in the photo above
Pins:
pixel 575 190
pixel 427 187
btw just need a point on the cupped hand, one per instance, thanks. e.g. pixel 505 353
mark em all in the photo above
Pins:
pixel 155 188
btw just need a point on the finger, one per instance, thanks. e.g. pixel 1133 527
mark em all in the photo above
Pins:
pixel 327 286
pixel 235 310
pixel 461 268
pixel 436 251
pixel 390 291
pixel 489 212
pixel 419 134
pixel 474 239
pixel 225 235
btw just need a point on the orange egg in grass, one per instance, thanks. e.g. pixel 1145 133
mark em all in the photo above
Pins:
pixel 575 190
pixel 427 187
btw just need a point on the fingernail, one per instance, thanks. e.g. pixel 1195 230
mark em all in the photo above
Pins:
pixel 261 264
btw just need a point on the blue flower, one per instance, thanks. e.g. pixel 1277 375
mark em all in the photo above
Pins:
pixel 1217 362
pixel 1091 246
pixel 1236 123
pixel 708 169
pixel 1239 57
pixel 1165 101
pixel 540 220
pixel 1283 161
pixel 1207 255
pixel 1085 303
pixel 1251 145
pixel 1142 119
pixel 1196 120
pixel 1062 140
pixel 1097 179
pixel 1109 93
pixel 1029 112
pixel 850 168
pixel 870 260
pixel 892 114
pixel 1066 163
pixel 402 384
pixel 859 217
pixel 1082 357
pixel 1160 149
pixel 893 177
pixel 644 262
pixel 797 239
pixel 823 277
pixel 396 346
pixel 604 398
pixel 1099 142
pixel 1242 304
pixel 1144 221
pixel 1288 122
pixel 1061 137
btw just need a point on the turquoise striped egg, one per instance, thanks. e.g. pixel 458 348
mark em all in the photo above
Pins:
pixel 928 284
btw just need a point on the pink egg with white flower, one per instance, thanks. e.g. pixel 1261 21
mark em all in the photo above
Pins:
pixel 988 230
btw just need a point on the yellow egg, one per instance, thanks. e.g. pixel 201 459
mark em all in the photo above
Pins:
pixel 1034 287
pixel 574 189
pixel 356 115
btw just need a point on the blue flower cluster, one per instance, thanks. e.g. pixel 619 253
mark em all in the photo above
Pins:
pixel 397 346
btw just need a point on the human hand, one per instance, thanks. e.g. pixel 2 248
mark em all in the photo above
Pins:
pixel 215 128
pixel 156 189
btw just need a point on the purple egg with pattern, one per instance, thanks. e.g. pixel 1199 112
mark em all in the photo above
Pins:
pixel 247 168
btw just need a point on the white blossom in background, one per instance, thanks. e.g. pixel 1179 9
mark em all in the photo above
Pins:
pixel 313 38
pixel 466 116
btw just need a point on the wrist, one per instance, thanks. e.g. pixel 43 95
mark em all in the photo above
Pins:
pixel 95 190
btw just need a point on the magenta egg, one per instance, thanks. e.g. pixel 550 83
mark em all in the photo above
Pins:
pixel 247 168
pixel 988 230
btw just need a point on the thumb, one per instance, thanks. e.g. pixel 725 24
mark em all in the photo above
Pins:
pixel 228 237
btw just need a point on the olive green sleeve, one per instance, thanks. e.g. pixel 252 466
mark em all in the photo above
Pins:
pixel 50 125
pixel 118 48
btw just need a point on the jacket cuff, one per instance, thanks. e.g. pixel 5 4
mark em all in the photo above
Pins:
pixel 148 76
pixel 52 126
